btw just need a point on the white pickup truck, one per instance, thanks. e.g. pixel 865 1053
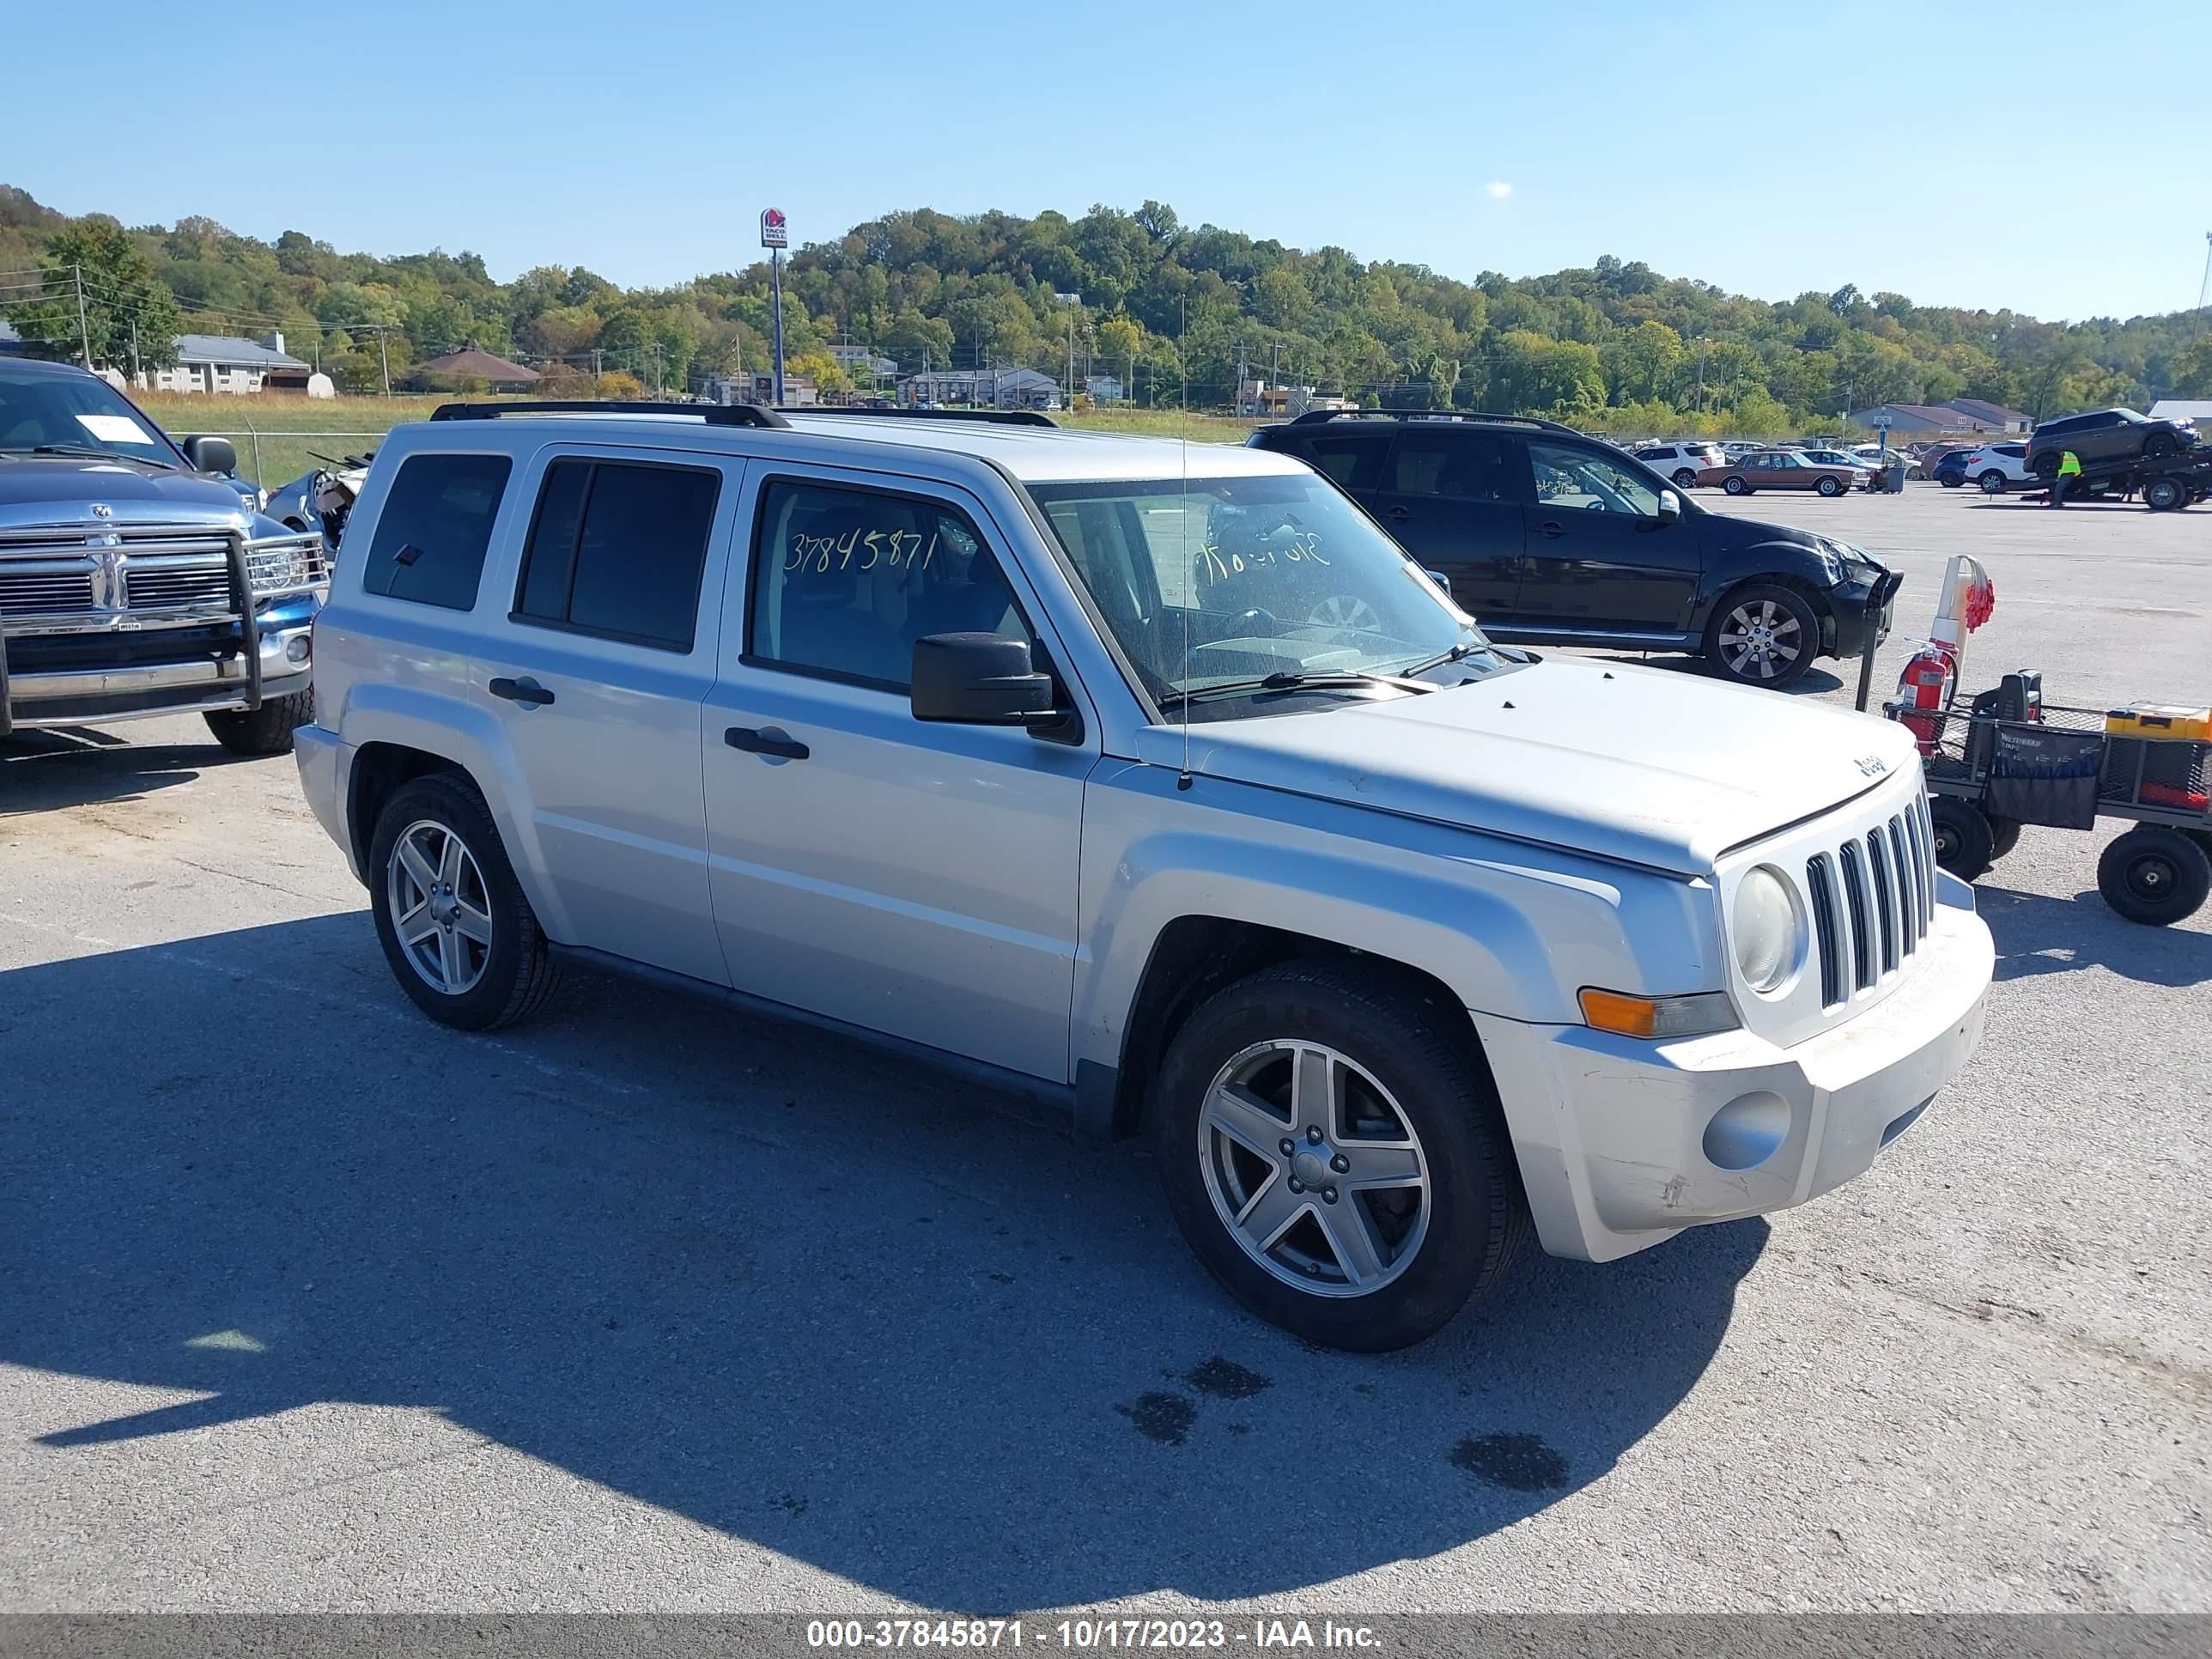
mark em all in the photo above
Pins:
pixel 1151 779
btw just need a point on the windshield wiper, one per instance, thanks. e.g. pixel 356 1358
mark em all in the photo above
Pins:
pixel 1327 679
pixel 1459 652
pixel 89 452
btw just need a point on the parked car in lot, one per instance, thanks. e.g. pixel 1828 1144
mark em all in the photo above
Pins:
pixel 1681 462
pixel 1782 468
pixel 136 577
pixel 1996 468
pixel 2106 434
pixel 1948 466
pixel 1156 783
pixel 1549 538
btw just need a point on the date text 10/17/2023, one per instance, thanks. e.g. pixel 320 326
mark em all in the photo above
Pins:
pixel 1092 1635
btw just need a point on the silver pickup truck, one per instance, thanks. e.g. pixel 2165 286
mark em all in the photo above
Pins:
pixel 1155 782
pixel 137 581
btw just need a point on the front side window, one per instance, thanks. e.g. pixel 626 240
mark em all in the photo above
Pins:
pixel 1212 586
pixel 1570 476
pixel 434 528
pixel 845 580
pixel 617 549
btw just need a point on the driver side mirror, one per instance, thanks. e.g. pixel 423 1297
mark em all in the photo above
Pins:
pixel 979 679
pixel 1670 507
pixel 210 454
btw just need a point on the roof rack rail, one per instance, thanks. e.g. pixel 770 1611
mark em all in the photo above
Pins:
pixel 712 413
pixel 1316 416
pixel 994 416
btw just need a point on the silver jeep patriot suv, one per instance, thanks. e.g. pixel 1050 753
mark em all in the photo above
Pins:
pixel 1152 779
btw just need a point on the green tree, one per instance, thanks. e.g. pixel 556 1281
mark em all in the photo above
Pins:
pixel 2192 368
pixel 130 319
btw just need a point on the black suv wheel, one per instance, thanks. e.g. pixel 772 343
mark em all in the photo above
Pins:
pixel 1763 634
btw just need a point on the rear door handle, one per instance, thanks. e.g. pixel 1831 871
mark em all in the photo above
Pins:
pixel 1552 527
pixel 1399 514
pixel 766 740
pixel 526 691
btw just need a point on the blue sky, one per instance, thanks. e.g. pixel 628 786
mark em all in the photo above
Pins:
pixel 1871 145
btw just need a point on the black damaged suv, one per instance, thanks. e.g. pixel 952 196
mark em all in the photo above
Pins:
pixel 1552 538
pixel 2106 435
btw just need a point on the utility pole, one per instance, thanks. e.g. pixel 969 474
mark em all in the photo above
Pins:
pixel 2204 288
pixel 384 359
pixel 1074 303
pixel 135 369
pixel 83 333
pixel 1702 344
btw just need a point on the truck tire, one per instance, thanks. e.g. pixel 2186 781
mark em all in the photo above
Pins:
pixel 2155 874
pixel 2165 494
pixel 1331 1147
pixel 1966 840
pixel 263 731
pixel 1765 635
pixel 459 935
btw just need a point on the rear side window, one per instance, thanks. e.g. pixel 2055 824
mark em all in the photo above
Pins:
pixel 436 523
pixel 1472 466
pixel 1352 460
pixel 617 549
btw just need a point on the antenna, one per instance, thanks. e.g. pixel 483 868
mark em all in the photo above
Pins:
pixel 2204 288
pixel 1182 518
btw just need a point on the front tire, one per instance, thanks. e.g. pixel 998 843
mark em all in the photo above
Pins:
pixel 1331 1145
pixel 263 731
pixel 2155 875
pixel 460 937
pixel 2165 494
pixel 2161 445
pixel 1830 485
pixel 1763 636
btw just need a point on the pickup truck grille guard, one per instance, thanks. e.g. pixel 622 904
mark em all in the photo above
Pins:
pixel 241 557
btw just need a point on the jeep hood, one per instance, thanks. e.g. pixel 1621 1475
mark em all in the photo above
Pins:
pixel 1644 765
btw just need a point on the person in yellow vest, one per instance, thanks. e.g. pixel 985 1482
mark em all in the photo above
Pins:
pixel 2070 468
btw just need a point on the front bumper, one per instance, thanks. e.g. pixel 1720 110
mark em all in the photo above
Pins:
pixel 1859 623
pixel 194 682
pixel 1623 1143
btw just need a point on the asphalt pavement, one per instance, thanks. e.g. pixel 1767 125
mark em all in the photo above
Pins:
pixel 308 1303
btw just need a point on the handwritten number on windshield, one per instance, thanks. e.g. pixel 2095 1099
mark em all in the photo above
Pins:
pixel 1303 548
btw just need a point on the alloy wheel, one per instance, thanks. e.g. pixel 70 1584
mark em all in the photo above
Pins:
pixel 439 908
pixel 1314 1168
pixel 1761 640
pixel 1345 610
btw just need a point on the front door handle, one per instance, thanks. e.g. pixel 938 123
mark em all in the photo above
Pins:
pixel 766 740
pixel 1397 514
pixel 1552 528
pixel 526 691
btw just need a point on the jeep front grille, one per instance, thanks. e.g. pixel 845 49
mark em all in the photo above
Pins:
pixel 1872 899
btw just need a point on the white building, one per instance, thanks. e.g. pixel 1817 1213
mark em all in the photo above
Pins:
pixel 982 388
pixel 2197 410
pixel 224 363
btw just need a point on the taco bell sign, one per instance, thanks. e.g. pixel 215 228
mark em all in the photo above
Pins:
pixel 774 232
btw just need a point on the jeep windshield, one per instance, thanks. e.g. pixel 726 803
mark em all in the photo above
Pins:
pixel 1239 592
pixel 42 412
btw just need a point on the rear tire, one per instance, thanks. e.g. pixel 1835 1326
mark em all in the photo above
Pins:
pixel 2165 494
pixel 1735 486
pixel 263 731
pixel 1966 840
pixel 1684 477
pixel 1398 1081
pixel 1994 483
pixel 1951 480
pixel 486 982
pixel 2155 875
pixel 2046 466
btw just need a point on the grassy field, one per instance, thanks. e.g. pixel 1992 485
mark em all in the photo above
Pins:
pixel 352 424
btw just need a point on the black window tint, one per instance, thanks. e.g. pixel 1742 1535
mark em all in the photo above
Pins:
pixel 435 524
pixel 844 582
pixel 1467 465
pixel 617 548
pixel 1351 459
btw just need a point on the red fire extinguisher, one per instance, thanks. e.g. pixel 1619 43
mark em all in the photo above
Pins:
pixel 1923 691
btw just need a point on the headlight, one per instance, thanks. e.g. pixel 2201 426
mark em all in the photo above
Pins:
pixel 1767 931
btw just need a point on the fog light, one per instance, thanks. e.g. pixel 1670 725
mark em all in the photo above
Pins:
pixel 295 648
pixel 1747 1131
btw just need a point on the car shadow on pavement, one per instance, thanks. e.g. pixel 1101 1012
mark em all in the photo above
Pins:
pixel 768 1282
pixel 1812 682
pixel 2038 935
pixel 40 770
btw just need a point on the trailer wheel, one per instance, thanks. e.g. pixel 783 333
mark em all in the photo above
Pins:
pixel 2005 835
pixel 2165 494
pixel 2155 875
pixel 1966 841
